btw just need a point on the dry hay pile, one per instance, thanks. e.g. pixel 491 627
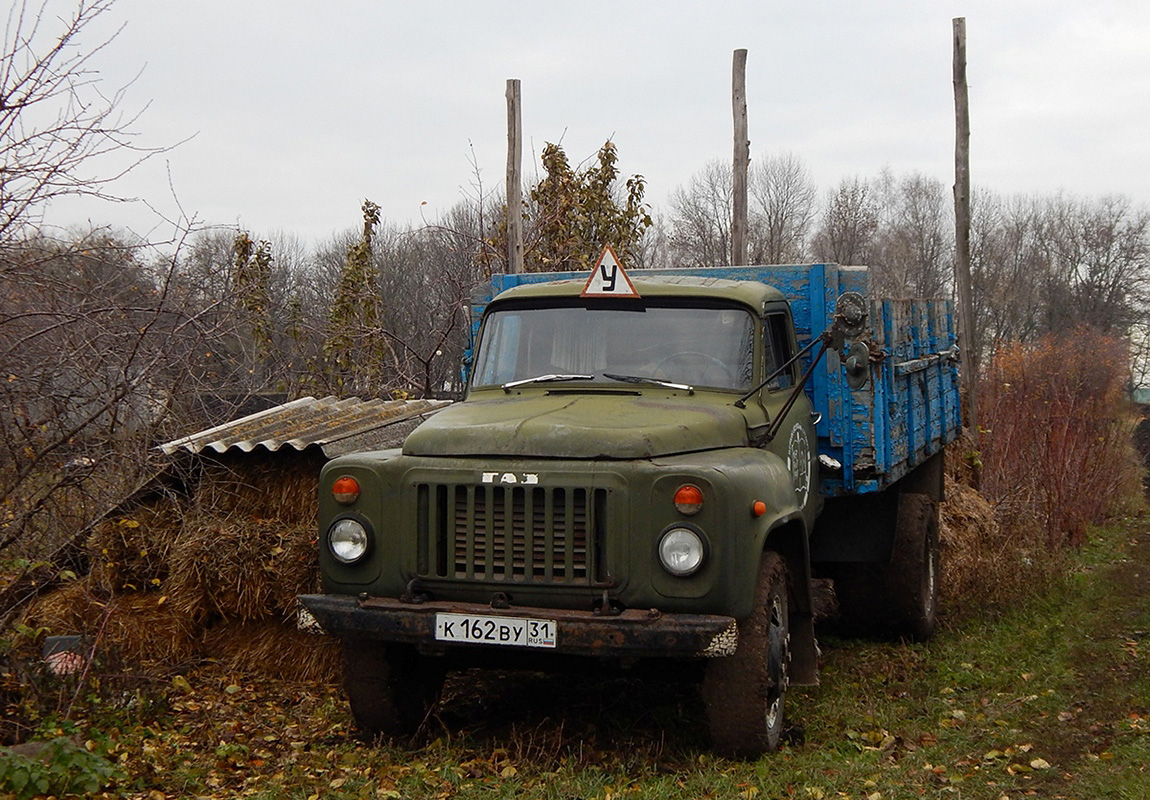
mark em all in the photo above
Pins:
pixel 261 485
pixel 129 552
pixel 212 577
pixel 269 648
pixel 138 627
pixel 228 569
pixel 986 561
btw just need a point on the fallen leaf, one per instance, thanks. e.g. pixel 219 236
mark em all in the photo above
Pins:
pixel 1040 763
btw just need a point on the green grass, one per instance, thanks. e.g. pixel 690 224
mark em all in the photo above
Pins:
pixel 1051 697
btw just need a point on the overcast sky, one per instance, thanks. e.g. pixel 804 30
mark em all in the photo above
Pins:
pixel 297 111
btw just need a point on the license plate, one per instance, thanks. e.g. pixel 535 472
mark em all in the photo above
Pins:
pixel 477 629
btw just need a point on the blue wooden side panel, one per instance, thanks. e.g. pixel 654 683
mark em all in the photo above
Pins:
pixel 909 407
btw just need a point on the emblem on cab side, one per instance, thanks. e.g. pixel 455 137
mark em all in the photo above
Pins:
pixel 799 463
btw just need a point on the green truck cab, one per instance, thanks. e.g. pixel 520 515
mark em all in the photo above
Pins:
pixel 643 475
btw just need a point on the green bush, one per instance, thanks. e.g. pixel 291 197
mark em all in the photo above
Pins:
pixel 61 768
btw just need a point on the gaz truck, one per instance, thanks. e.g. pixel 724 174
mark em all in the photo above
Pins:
pixel 650 469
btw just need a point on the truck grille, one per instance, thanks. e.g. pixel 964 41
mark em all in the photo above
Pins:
pixel 511 533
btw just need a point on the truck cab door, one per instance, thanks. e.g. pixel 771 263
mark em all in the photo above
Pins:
pixel 795 442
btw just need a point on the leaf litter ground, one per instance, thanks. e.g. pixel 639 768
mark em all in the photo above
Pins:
pixel 1048 699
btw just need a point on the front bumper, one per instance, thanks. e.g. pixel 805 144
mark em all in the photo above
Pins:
pixel 631 633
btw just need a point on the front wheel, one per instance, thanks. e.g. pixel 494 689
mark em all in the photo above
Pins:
pixel 744 693
pixel 390 687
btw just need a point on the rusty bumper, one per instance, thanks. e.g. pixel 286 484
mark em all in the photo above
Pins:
pixel 631 633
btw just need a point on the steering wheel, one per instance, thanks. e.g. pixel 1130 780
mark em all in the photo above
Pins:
pixel 693 363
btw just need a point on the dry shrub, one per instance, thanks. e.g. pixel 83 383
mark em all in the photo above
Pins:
pixel 129 552
pixel 275 650
pixel 1057 449
pixel 223 568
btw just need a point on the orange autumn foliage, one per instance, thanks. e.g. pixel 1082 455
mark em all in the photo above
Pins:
pixel 1056 442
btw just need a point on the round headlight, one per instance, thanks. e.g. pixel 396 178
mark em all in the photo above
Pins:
pixel 681 551
pixel 347 540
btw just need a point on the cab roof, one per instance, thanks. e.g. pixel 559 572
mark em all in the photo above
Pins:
pixel 755 294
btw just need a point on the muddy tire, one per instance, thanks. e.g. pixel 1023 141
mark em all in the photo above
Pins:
pixel 390 687
pixel 912 578
pixel 743 694
pixel 898 599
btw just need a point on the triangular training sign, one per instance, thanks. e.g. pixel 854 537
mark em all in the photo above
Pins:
pixel 608 279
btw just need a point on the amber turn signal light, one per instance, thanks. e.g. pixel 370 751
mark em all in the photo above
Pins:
pixel 345 490
pixel 758 508
pixel 689 499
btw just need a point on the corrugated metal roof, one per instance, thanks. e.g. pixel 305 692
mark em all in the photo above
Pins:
pixel 337 426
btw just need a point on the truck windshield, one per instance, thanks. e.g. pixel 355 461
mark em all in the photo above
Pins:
pixel 710 347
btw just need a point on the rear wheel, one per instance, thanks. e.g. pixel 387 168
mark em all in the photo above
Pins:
pixel 390 687
pixel 899 598
pixel 744 693
pixel 912 579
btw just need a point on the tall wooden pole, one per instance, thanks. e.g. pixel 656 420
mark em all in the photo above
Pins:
pixel 514 183
pixel 742 160
pixel 962 227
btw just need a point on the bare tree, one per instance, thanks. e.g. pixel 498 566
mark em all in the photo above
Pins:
pixel 61 132
pixel 914 250
pixel 1140 355
pixel 428 276
pixel 654 249
pixel 782 209
pixel 849 224
pixel 701 218
pixel 1010 268
pixel 99 356
pixel 1100 258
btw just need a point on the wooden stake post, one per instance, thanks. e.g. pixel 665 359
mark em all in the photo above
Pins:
pixel 514 183
pixel 962 226
pixel 742 160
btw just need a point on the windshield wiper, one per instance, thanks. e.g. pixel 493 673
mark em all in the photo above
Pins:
pixel 507 387
pixel 653 381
